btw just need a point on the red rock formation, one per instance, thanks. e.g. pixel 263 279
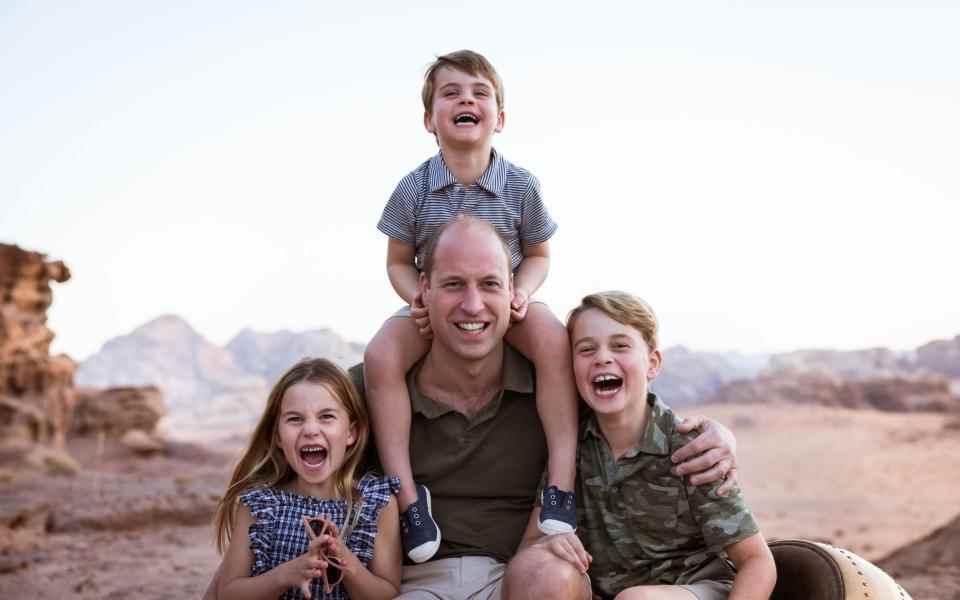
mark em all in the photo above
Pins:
pixel 895 394
pixel 116 411
pixel 36 390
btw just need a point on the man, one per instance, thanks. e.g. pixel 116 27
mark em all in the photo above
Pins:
pixel 476 440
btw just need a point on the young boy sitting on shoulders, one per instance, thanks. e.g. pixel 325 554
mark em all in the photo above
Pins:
pixel 647 533
pixel 463 103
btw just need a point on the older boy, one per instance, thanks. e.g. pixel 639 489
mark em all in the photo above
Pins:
pixel 463 108
pixel 647 533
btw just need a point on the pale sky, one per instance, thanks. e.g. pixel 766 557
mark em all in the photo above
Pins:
pixel 768 176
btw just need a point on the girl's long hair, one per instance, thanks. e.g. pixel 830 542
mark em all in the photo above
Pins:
pixel 263 464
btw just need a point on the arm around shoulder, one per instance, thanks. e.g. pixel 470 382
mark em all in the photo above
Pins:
pixel 756 570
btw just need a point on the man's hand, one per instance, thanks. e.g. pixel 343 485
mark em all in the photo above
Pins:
pixel 710 456
pixel 518 306
pixel 568 547
pixel 419 314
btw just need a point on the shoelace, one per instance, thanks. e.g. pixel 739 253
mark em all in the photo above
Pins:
pixel 318 527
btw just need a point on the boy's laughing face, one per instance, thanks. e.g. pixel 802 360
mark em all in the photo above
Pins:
pixel 464 112
pixel 612 364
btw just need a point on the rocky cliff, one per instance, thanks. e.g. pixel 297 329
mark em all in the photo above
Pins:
pixel 36 389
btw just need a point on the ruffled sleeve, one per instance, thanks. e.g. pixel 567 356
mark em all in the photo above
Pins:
pixel 263 506
pixel 376 493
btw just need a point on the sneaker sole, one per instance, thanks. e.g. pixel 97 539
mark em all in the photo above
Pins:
pixel 553 527
pixel 425 552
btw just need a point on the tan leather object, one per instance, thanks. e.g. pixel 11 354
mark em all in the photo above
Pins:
pixel 815 571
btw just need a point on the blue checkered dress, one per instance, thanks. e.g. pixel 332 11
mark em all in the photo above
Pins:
pixel 278 533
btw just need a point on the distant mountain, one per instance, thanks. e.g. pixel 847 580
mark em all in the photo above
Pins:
pixel 940 356
pixel 270 354
pixel 688 377
pixel 201 383
pixel 854 365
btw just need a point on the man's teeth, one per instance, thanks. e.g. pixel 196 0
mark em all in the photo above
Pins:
pixel 470 326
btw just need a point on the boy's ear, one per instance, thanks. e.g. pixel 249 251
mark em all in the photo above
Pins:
pixel 501 120
pixel 427 122
pixel 653 369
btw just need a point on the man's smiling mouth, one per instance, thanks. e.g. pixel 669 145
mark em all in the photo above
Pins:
pixel 472 326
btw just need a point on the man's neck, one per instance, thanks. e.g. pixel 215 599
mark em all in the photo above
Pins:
pixel 467 386
pixel 624 429
pixel 467 165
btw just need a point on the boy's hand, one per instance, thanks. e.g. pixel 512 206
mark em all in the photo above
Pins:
pixel 418 312
pixel 518 306
pixel 568 547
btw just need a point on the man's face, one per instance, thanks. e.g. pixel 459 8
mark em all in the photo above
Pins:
pixel 464 110
pixel 468 293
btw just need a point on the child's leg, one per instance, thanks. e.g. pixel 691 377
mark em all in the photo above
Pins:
pixel 390 354
pixel 542 338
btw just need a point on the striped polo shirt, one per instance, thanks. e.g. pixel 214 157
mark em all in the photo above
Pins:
pixel 505 195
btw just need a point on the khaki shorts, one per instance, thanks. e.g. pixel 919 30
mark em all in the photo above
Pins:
pixel 709 590
pixel 462 578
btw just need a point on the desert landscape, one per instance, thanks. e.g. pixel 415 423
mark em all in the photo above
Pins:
pixel 110 470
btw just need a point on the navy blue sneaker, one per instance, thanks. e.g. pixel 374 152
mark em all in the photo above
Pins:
pixel 558 513
pixel 418 531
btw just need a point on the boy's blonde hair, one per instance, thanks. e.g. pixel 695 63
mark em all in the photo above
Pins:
pixel 263 464
pixel 466 61
pixel 623 308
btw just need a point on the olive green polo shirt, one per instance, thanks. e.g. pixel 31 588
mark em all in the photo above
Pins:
pixel 482 471
pixel 643 525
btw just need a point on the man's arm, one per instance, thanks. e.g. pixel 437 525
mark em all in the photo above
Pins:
pixel 709 457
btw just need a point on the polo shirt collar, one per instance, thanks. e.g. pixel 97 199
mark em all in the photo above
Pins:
pixel 653 440
pixel 517 377
pixel 493 179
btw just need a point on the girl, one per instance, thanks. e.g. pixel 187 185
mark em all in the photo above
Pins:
pixel 300 465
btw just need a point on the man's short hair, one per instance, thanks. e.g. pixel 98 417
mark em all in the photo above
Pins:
pixel 623 308
pixel 467 61
pixel 430 248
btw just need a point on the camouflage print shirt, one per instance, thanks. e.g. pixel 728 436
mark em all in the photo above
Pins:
pixel 645 526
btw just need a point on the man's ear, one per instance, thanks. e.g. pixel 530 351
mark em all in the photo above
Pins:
pixel 423 286
pixel 656 360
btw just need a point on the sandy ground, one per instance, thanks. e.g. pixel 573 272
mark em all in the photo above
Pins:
pixel 129 527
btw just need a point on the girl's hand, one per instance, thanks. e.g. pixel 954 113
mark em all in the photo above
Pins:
pixel 418 312
pixel 301 571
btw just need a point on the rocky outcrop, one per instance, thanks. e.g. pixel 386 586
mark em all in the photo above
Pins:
pixel 896 394
pixel 36 389
pixel 271 354
pixel 871 363
pixel 116 411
